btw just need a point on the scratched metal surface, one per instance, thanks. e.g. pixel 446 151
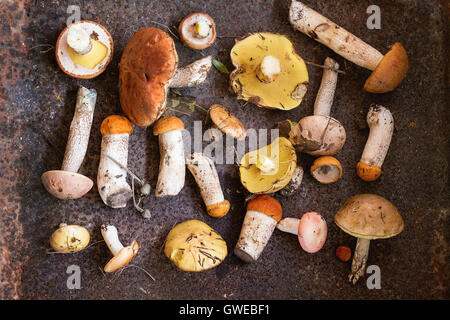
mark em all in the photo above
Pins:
pixel 37 102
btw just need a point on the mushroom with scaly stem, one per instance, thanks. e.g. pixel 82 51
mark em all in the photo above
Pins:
pixel 122 255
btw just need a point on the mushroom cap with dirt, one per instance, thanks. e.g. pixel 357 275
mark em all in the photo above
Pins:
pixel 226 122
pixel 268 71
pixel 69 238
pixel 197 30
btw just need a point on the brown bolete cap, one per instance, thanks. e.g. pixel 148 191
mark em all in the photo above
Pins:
pixel 116 124
pixel 390 72
pixel 227 122
pixel 125 255
pixel 186 30
pixel 369 216
pixel 148 63
pixel 267 205
pixel 66 185
pixel 168 124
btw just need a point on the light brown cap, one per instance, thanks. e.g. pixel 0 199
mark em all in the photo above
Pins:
pixel 267 205
pixel 187 33
pixel 168 124
pixel 116 124
pixel 227 122
pixel 390 72
pixel 125 255
pixel 66 185
pixel 369 216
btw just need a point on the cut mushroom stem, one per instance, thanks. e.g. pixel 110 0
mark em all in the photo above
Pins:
pixel 122 255
pixel 269 69
pixel 381 124
pixel 289 225
pixel 192 74
pixel 325 96
pixel 79 40
pixel 359 260
pixel 197 30
pixel 205 174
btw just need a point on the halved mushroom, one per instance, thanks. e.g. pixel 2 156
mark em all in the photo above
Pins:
pixel 226 122
pixel 326 170
pixel 197 30
pixel 69 238
pixel 122 255
pixel 268 71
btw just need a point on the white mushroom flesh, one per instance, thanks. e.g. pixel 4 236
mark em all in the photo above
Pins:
pixel 359 260
pixel 111 237
pixel 327 174
pixel 289 225
pixel 196 23
pixel 79 40
pixel 269 69
pixel 192 74
pixel 325 95
pixel 202 28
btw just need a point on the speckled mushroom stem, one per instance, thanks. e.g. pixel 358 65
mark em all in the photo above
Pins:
pixel 192 74
pixel 344 43
pixel 325 95
pixel 80 129
pixel 289 225
pixel 359 260
pixel 111 237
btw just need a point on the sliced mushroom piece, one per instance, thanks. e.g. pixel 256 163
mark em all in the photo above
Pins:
pixel 69 238
pixel 197 30
pixel 388 71
pixel 122 255
pixel 223 120
pixel 66 183
pixel 326 170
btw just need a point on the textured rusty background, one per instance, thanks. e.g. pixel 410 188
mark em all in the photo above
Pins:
pixel 36 106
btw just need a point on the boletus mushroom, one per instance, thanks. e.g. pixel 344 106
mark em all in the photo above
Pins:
pixel 367 217
pixel 224 121
pixel 388 70
pixel 326 169
pixel 268 71
pixel 122 255
pixel 84 49
pixel 69 238
pixel 194 246
pixel 66 183
pixel 197 30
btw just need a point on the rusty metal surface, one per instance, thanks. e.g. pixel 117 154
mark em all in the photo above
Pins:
pixel 36 107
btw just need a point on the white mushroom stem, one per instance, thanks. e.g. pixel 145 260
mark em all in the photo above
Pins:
pixel 256 231
pixel 111 237
pixel 325 95
pixel 359 260
pixel 202 28
pixel 381 124
pixel 269 69
pixel 205 174
pixel 344 43
pixel 79 40
pixel 172 167
pixel 80 129
pixel 289 225
pixel 193 74
pixel 111 178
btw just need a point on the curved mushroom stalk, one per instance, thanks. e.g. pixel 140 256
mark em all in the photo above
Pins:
pixel 192 74
pixel 381 124
pixel 359 260
pixel 122 255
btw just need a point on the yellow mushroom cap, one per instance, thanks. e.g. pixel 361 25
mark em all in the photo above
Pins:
pixel 326 169
pixel 116 124
pixel 227 122
pixel 69 238
pixel 168 124
pixel 125 255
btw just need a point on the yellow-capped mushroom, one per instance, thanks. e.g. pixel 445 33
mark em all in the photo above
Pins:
pixel 69 238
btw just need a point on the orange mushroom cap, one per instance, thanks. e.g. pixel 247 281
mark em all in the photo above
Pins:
pixel 368 172
pixel 218 210
pixel 168 124
pixel 267 205
pixel 116 124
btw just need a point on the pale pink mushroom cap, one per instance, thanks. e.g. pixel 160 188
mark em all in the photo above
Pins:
pixel 312 232
pixel 66 185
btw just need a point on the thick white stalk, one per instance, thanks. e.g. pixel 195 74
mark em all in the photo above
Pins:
pixel 289 225
pixel 359 260
pixel 192 74
pixel 325 95
pixel 79 40
pixel 80 129
pixel 111 237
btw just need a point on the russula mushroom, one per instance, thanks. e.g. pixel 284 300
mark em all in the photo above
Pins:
pixel 223 120
pixel 311 230
pixel 66 183
pixel 367 217
pixel 172 167
pixel 122 255
pixel 194 246
pixel 111 178
pixel 197 30
pixel 147 69
pixel 326 169
pixel 261 218
pixel 69 238
pixel 268 169
pixel 205 174
pixel 268 71
pixel 84 49
pixel 388 71
pixel 320 134
pixel 381 124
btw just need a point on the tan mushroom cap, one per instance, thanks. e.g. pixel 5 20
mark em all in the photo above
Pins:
pixel 168 124
pixel 227 122
pixel 125 255
pixel 369 216
pixel 186 30
pixel 66 185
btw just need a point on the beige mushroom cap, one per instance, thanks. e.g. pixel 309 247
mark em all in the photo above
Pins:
pixel 66 185
pixel 123 258
pixel 227 122
pixel 369 216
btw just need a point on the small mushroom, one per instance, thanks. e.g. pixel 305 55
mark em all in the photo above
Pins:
pixel 263 214
pixel 320 134
pixel 367 217
pixel 381 124
pixel 388 71
pixel 111 177
pixel 66 183
pixel 311 230
pixel 197 30
pixel 172 166
pixel 122 255
pixel 223 120
pixel 69 238
pixel 326 169
pixel 205 174
pixel 84 49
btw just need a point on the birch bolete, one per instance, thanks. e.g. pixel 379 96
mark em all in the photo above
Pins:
pixel 326 169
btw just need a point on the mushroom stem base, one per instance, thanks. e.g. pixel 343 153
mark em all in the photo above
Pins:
pixel 359 260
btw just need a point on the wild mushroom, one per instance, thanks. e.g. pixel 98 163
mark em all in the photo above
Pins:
pixel 326 169
pixel 205 174
pixel 122 255
pixel 172 166
pixel 69 238
pixel 197 30
pixel 111 178
pixel 84 49
pixel 224 121
pixel 268 71
pixel 147 69
pixel 381 124
pixel 367 217
pixel 263 214
pixel 268 169
pixel 320 134
pixel 311 230
pixel 388 71
pixel 66 183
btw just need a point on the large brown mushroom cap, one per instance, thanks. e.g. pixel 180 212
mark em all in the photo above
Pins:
pixel 227 122
pixel 390 72
pixel 369 216
pixel 66 185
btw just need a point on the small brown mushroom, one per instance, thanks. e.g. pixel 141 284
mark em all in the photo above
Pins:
pixel 326 170
pixel 122 255
pixel 226 122
pixel 197 30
